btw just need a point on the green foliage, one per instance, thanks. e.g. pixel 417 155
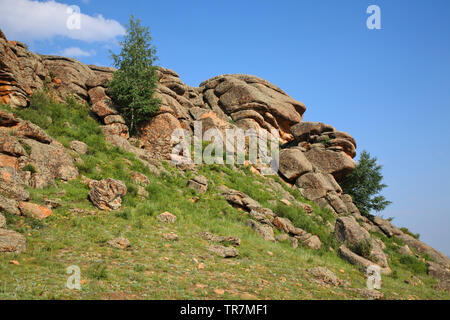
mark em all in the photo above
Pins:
pixel 407 231
pixel 313 225
pixel 26 147
pixel 363 248
pixel 98 271
pixel 413 264
pixel 29 167
pixel 364 185
pixel 135 82
pixel 64 121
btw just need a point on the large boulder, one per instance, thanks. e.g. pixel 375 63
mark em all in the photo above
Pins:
pixel 9 205
pixel 34 211
pixel 52 161
pixel 157 133
pixel 304 130
pixel 337 163
pixel 347 230
pixel 107 194
pixel 293 163
pixel 315 185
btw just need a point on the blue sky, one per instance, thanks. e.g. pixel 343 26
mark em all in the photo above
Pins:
pixel 389 88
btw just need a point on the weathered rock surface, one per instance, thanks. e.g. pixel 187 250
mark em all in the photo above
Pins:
pixel 107 194
pixel 263 230
pixel 79 147
pixel 293 163
pixel 316 156
pixel 199 183
pixel 140 178
pixel 119 243
pixel 234 241
pixel 167 217
pixel 9 205
pixel 11 241
pixel 2 222
pixel 267 106
pixel 349 231
pixel 224 252
pixel 359 261
pixel 34 210
pixel 325 275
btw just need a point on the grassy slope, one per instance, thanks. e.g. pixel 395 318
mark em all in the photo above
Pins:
pixel 155 268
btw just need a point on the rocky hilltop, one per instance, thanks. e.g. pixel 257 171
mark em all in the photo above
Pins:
pixel 313 160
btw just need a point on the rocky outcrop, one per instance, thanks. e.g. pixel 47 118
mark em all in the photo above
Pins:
pixel 29 157
pixel 253 103
pixel 356 239
pixel 263 220
pixel 44 161
pixel 314 159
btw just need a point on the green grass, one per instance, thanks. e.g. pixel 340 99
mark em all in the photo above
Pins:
pixel 155 268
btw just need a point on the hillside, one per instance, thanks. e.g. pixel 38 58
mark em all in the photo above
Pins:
pixel 77 190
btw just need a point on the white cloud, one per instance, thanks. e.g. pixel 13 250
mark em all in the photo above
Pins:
pixel 76 52
pixel 34 20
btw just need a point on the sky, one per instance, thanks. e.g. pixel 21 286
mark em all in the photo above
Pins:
pixel 389 88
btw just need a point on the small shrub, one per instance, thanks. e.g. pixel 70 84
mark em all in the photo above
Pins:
pixel 98 271
pixel 406 230
pixel 26 147
pixel 30 168
pixel 363 248
pixel 413 264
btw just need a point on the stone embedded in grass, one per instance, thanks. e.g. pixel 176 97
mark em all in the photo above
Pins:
pixel 286 202
pixel 11 241
pixel 167 217
pixel 79 147
pixel 170 236
pixel 370 294
pixel 234 241
pixel 224 252
pixel 263 230
pixel 325 275
pixel 199 183
pixel 107 194
pixel 139 178
pixel 119 243
pixel 35 211
pixel 405 250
